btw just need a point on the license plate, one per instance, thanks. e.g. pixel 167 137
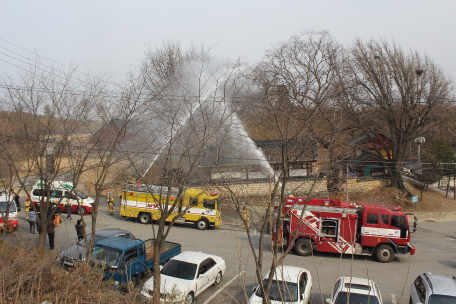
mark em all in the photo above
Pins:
pixel 68 263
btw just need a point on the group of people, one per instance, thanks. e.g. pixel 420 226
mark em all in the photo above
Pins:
pixel 32 213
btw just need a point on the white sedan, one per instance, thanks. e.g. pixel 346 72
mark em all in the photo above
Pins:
pixel 355 291
pixel 290 285
pixel 186 276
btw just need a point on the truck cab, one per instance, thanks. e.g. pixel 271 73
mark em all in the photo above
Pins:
pixel 125 260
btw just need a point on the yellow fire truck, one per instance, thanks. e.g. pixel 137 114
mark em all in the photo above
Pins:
pixel 203 206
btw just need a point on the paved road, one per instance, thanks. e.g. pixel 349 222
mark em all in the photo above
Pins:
pixel 435 243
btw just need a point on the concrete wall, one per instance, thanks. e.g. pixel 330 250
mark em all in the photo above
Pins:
pixel 433 217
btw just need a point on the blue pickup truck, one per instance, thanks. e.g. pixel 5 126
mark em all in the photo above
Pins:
pixel 125 260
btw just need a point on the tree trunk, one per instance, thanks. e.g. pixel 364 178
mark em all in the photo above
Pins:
pixel 397 180
pixel 157 250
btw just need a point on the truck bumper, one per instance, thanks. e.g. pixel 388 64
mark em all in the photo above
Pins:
pixel 411 249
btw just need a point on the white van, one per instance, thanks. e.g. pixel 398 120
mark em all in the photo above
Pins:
pixel 62 189
pixel 12 215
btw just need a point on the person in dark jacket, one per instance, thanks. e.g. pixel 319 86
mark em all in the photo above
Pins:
pixel 32 219
pixel 79 230
pixel 51 233
pixel 68 209
pixel 16 199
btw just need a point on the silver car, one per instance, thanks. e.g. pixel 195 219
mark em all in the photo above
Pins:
pixel 433 289
pixel 77 252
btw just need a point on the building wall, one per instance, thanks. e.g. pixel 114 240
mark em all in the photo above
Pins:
pixel 297 188
pixel 365 185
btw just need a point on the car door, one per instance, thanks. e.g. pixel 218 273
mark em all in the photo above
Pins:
pixel 203 277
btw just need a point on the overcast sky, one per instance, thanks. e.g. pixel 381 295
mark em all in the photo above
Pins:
pixel 112 35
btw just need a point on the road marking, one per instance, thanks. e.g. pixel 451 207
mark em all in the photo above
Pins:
pixel 221 288
pixel 393 299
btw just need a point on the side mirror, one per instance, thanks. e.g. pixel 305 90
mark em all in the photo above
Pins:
pixel 123 265
pixel 328 300
pixel 254 288
pixel 201 275
pixel 161 267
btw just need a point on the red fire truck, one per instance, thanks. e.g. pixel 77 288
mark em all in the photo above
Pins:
pixel 341 227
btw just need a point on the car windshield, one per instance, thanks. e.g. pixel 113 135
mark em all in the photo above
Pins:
pixel 4 204
pixel 97 239
pixel 440 299
pixel 280 291
pixel 180 269
pixel 355 298
pixel 106 256
pixel 80 194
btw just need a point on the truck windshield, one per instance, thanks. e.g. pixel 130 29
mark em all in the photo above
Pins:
pixel 180 269
pixel 106 256
pixel 281 291
pixel 4 204
pixel 80 194
pixel 355 298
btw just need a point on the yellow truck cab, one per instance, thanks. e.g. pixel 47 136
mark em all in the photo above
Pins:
pixel 201 207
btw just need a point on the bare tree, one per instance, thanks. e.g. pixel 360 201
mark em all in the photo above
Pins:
pixel 44 109
pixel 292 87
pixel 384 89
pixel 191 102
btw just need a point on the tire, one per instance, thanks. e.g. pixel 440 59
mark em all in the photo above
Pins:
pixel 134 281
pixel 144 218
pixel 82 211
pixel 189 298
pixel 202 224
pixel 303 247
pixel 218 278
pixel 384 253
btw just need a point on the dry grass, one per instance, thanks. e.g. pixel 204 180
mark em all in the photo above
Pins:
pixel 31 275
pixel 432 201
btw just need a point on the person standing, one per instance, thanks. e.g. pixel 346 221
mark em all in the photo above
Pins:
pixel 246 218
pixel 31 217
pixel 51 233
pixel 68 209
pixel 79 230
pixel 16 199
pixel 111 205
pixel 27 206
pixel 57 213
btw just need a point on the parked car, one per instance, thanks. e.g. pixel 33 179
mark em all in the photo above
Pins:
pixel 12 215
pixel 433 288
pixel 187 274
pixel 349 290
pixel 290 285
pixel 77 252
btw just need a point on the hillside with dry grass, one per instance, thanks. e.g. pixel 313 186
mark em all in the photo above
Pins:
pixel 432 201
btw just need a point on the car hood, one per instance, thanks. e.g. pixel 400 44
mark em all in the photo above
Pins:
pixel 74 252
pixel 167 284
pixel 254 299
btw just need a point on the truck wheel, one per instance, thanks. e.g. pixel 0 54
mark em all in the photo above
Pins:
pixel 303 247
pixel 144 218
pixel 384 253
pixel 82 211
pixel 202 224
pixel 189 298
pixel 218 278
pixel 134 281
